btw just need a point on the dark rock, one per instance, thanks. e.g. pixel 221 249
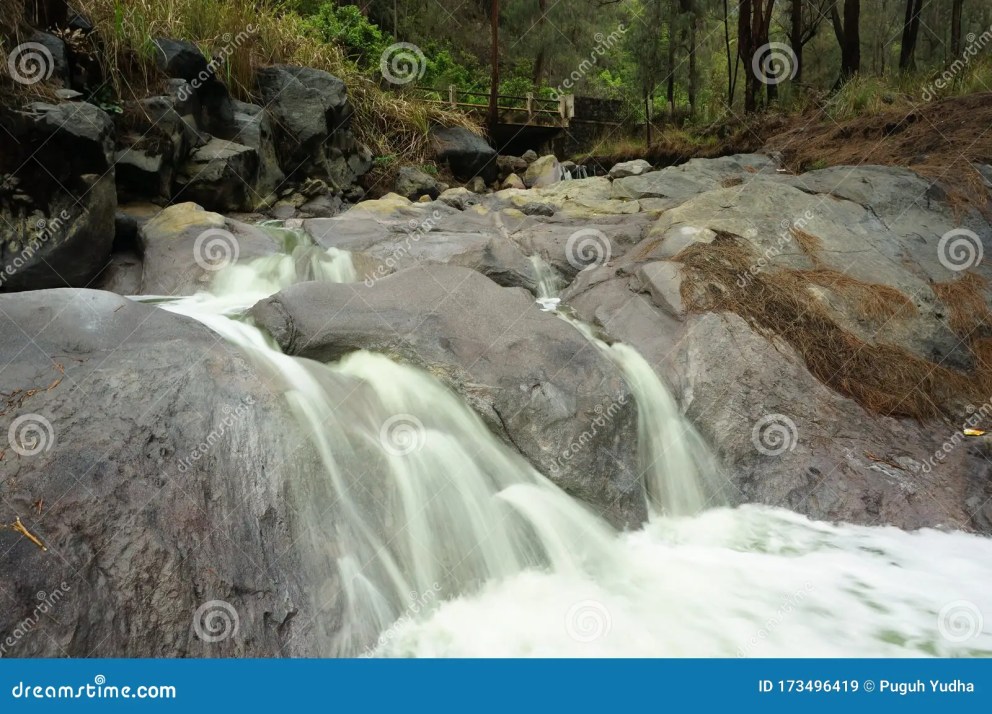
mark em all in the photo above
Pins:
pixel 312 117
pixel 254 129
pixel 125 232
pixel 54 47
pixel 467 154
pixel 220 176
pixel 148 155
pixel 324 206
pixel 183 60
pixel 413 183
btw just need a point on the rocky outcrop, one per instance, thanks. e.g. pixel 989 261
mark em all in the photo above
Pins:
pixel 312 118
pixel 534 379
pixel 786 437
pixel 57 197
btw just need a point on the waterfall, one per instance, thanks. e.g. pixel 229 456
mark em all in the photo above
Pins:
pixel 426 536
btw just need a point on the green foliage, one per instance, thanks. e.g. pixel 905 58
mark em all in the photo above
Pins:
pixel 347 27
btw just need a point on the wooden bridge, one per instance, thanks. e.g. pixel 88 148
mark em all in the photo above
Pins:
pixel 531 122
pixel 514 111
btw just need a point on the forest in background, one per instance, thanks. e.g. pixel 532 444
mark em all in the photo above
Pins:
pixel 684 58
pixel 690 65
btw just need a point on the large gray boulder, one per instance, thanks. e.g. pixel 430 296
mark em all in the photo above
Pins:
pixel 392 233
pixel 629 168
pixel 837 235
pixel 678 183
pixel 536 380
pixel 543 172
pixel 144 464
pixel 183 247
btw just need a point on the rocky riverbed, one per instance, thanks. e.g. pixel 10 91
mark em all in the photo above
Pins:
pixel 152 464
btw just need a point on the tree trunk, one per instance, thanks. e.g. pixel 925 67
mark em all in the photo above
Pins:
pixel 494 79
pixel 670 89
pixel 745 50
pixel 796 37
pixel 910 31
pixel 732 63
pixel 693 69
pixel 956 13
pixel 541 60
pixel 851 49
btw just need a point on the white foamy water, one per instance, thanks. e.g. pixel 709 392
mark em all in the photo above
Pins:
pixel 426 536
pixel 748 582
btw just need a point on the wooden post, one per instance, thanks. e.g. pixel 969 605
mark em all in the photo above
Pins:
pixel 453 96
pixel 530 107
pixel 647 116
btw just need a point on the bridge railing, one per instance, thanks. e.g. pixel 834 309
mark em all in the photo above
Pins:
pixel 538 109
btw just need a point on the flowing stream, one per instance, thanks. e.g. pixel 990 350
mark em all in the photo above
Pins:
pixel 429 537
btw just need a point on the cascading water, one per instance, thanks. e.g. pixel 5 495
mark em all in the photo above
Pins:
pixel 429 537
